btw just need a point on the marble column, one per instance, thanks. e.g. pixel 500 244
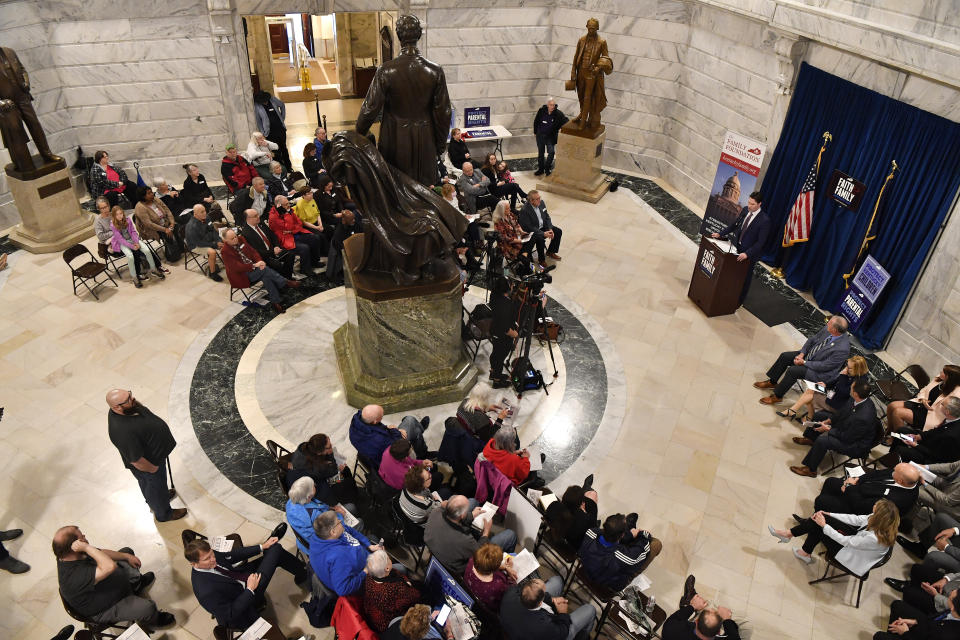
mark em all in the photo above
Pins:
pixel 233 66
pixel 790 51
pixel 258 45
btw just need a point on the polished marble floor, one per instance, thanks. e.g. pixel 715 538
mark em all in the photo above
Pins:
pixel 692 451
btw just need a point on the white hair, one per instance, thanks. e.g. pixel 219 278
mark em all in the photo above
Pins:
pixel 274 164
pixel 378 563
pixel 480 396
pixel 159 182
pixel 499 210
pixel 302 490
pixel 279 198
pixel 550 99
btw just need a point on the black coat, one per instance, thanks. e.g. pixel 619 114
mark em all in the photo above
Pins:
pixel 859 498
pixel 558 121
pixel 855 426
pixel 520 623
pixel 232 604
pixel 458 152
pixel 528 219
pixel 936 445
pixel 193 193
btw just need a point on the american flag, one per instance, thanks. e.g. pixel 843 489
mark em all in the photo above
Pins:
pixel 800 219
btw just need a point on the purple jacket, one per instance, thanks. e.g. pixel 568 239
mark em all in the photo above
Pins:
pixel 119 241
pixel 492 485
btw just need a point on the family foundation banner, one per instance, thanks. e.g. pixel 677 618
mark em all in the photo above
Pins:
pixel 735 180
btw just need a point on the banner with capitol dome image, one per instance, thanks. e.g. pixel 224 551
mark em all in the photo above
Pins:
pixel 734 181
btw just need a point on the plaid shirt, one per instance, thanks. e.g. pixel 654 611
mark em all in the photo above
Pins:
pixel 99 182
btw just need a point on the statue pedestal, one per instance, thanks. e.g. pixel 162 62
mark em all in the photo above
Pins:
pixel 401 346
pixel 52 219
pixel 577 167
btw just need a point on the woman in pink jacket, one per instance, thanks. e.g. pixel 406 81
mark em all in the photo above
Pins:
pixel 127 240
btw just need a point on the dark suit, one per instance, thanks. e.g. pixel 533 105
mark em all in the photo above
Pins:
pixel 282 264
pixel 679 626
pixel 528 222
pixel 231 603
pixel 749 241
pixel 824 357
pixel 852 430
pixel 941 444
pixel 927 627
pixel 520 623
pixel 859 498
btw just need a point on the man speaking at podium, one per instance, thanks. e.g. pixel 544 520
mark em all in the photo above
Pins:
pixel 749 233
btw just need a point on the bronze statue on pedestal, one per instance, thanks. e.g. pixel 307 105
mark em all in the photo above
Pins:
pixel 15 111
pixel 590 63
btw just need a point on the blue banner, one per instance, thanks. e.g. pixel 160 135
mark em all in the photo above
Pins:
pixel 476 117
pixel 862 294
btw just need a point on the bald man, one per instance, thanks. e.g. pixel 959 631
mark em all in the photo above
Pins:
pixel 371 437
pixel 200 236
pixel 144 442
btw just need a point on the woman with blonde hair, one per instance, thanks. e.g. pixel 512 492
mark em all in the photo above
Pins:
pixel 833 396
pixel 856 541
pixel 126 240
pixel 473 411
pixel 414 625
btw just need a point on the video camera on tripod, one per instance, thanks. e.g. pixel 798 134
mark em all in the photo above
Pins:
pixel 527 290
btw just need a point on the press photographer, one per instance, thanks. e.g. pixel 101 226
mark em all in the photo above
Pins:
pixel 503 331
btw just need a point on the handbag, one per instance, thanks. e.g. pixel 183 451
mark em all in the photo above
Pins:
pixel 171 250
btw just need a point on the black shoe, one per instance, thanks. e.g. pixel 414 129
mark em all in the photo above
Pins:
pixel 10 534
pixel 632 521
pixel 543 458
pixel 302 577
pixel 538 172
pixel 278 530
pixel 537 483
pixel 164 619
pixel 145 581
pixel 138 284
pixel 796 517
pixel 13 565
pixel 501 383
pixel 588 482
pixel 914 548
pixel 425 422
pixel 216 277
pixel 896 585
pixel 64 634
pixel 548 171
pixel 688 591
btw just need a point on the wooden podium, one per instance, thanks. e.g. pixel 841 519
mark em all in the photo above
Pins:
pixel 717 278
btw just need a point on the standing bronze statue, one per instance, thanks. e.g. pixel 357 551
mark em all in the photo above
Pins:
pixel 15 111
pixel 411 94
pixel 590 63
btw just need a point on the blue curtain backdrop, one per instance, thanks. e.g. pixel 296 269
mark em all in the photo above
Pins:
pixel 869 130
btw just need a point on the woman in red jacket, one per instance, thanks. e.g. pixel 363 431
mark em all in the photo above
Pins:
pixel 502 452
pixel 293 237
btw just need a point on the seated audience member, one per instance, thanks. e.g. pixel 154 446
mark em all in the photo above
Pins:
pixel 414 625
pixel 834 395
pixel 501 450
pixel 387 593
pixel 489 575
pixel 7 561
pixel 709 623
pixel 457 149
pixel 449 194
pixel 103 229
pixel 910 623
pixel 474 186
pixel 312 165
pixel 939 544
pixel 916 412
pixel 317 459
pixel 319 139
pixel 416 500
pixel 293 237
pixel 348 226
pixel 279 182
pixel 900 485
pixel 200 234
pixel 473 411
pixel 534 219
pixel 338 554
pixel 169 195
pixel 574 514
pixel 500 187
pixel 396 461
pixel 927 589
pixel 504 172
pixel 856 541
pixel 819 360
pixel 451 538
pixel 234 595
pixel 237 173
pixel 308 212
pixel 109 181
pixel 266 243
pixel 942 495
pixel 102 584
pixel 850 431
pixel 196 191
pixel 619 551
pixel 534 610
pixel 940 444
pixel 508 230
pixel 302 509
pixel 260 152
pixel 154 220
pixel 245 267
pixel 255 197
pixel 371 437
pixel 330 204
pixel 126 240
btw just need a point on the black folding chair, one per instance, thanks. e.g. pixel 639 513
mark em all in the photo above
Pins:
pixel 89 271
pixel 99 630
pixel 843 571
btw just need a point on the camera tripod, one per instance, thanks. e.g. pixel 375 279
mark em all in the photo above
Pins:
pixel 523 375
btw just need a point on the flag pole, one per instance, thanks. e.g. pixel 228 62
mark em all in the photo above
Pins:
pixel 778 271
pixel 867 237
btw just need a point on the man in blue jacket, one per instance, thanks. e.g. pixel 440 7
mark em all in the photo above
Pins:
pixel 612 557
pixel 338 554
pixel 371 437
pixel 850 431
pixel 819 360
pixel 750 231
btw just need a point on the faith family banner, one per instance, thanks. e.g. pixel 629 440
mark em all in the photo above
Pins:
pixel 735 180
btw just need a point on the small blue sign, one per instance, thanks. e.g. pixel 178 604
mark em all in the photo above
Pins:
pixel 476 117
pixel 863 292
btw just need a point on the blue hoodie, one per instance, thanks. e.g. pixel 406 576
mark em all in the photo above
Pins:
pixel 371 440
pixel 339 563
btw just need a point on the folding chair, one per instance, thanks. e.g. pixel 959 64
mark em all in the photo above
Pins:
pixel 365 467
pixel 248 292
pixel 896 388
pixel 99 630
pixel 88 271
pixel 410 535
pixel 862 457
pixel 843 571
pixel 192 257
pixel 476 328
pixel 110 259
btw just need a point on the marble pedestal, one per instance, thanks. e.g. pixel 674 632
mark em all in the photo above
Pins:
pixel 52 219
pixel 401 346
pixel 577 171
